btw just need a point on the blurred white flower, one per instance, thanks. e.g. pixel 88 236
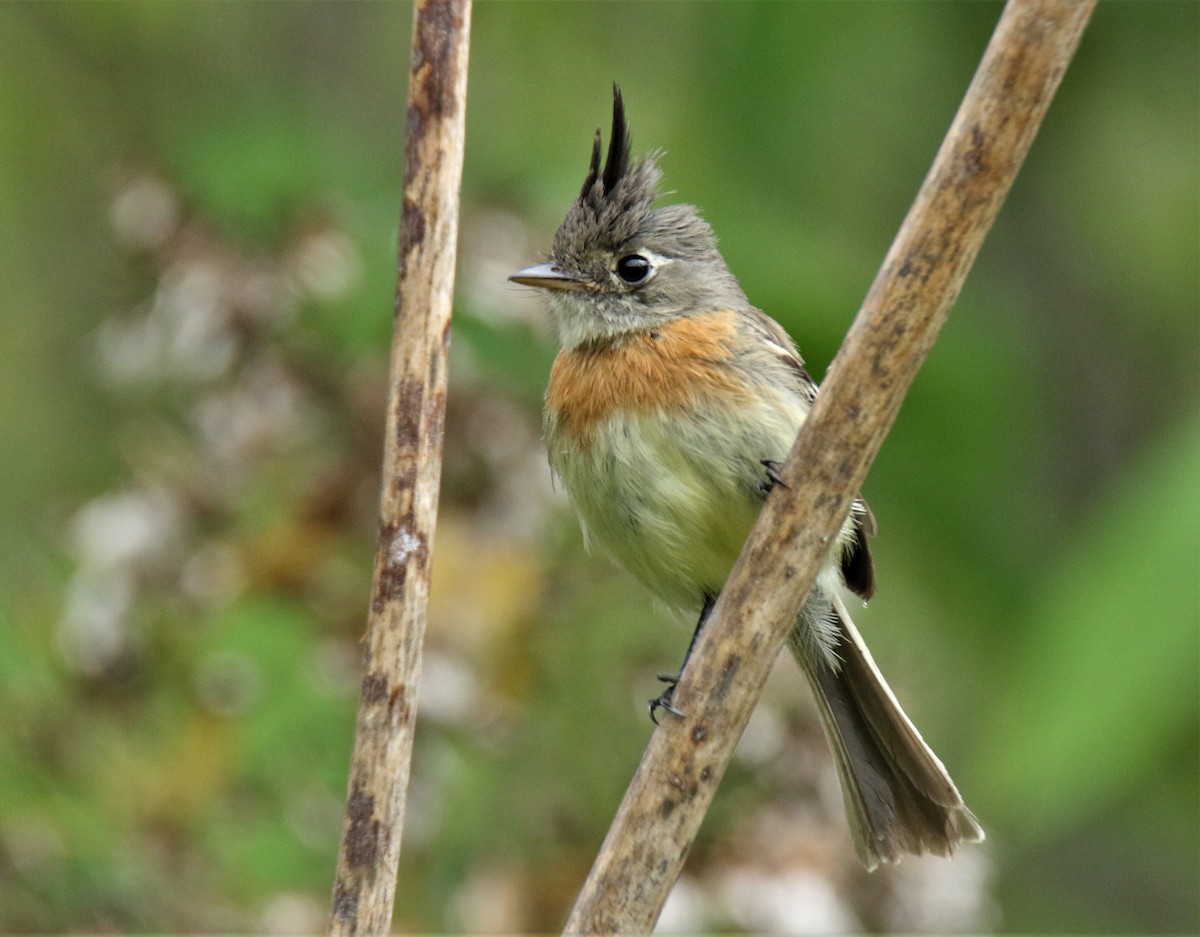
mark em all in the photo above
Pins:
pixel 792 900
pixel 688 909
pixel 324 264
pixel 115 538
pixel 496 243
pixel 127 528
pixel 144 213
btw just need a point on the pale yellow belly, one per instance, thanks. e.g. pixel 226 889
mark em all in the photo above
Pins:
pixel 672 500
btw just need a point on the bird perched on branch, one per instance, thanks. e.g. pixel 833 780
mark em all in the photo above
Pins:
pixel 669 411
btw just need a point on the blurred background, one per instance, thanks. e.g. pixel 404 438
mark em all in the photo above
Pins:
pixel 197 256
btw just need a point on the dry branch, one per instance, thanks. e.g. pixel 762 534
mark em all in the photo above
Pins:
pixel 900 318
pixel 379 769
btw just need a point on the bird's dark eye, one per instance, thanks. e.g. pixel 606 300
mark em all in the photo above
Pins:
pixel 633 268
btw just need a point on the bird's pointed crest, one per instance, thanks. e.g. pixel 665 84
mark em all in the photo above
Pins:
pixel 594 169
pixel 616 164
pixel 617 196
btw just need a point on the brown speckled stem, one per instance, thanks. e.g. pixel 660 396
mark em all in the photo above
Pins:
pixel 365 884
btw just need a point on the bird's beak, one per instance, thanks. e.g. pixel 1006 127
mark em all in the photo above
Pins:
pixel 546 277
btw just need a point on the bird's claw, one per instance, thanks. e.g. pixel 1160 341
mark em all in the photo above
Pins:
pixel 773 476
pixel 663 700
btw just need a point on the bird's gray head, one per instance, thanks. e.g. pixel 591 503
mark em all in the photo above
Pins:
pixel 619 265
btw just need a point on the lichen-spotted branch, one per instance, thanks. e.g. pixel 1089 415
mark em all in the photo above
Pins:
pixel 364 887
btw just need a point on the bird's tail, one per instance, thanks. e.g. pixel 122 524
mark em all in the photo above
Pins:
pixel 899 797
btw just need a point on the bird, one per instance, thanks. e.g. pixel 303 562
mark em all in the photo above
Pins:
pixel 669 409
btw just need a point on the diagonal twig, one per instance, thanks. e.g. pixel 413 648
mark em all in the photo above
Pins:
pixel 365 883
pixel 921 276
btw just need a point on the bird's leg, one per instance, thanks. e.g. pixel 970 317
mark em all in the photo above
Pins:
pixel 663 701
pixel 773 476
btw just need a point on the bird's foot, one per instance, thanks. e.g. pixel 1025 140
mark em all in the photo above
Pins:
pixel 663 700
pixel 773 476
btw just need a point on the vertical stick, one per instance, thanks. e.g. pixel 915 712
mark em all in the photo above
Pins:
pixel 364 888
pixel 900 318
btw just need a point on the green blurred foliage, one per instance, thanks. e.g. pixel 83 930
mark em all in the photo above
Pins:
pixel 1040 515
